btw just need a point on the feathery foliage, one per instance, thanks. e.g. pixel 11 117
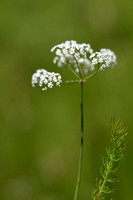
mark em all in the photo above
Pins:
pixel 111 162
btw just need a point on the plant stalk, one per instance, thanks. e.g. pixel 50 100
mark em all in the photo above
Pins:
pixel 81 144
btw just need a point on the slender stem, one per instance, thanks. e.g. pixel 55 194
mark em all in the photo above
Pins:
pixel 81 145
pixel 87 77
pixel 73 72
pixel 70 82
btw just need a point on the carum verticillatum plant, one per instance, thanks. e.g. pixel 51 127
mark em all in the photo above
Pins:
pixel 84 63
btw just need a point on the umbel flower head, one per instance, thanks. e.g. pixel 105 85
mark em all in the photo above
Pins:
pixel 79 58
pixel 105 58
pixel 46 79
pixel 73 55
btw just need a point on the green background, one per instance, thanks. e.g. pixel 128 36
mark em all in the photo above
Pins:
pixel 40 132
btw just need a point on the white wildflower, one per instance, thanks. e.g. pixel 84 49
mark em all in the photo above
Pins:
pixel 58 84
pixel 44 89
pixel 82 58
pixel 105 58
pixel 58 52
pixel 70 52
pixel 50 79
pixel 59 77
pixel 46 79
pixel 55 60
pixel 50 84
pixel 103 67
pixel 55 79
pixel 65 51
pixel 92 55
pixel 100 59
pixel 52 50
pixel 94 61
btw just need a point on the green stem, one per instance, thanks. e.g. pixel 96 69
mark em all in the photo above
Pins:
pixel 81 145
pixel 73 72
pixel 87 77
pixel 94 73
pixel 70 82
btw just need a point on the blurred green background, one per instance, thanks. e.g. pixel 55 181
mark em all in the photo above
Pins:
pixel 40 132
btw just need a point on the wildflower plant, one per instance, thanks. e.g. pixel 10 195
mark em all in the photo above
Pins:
pixel 84 63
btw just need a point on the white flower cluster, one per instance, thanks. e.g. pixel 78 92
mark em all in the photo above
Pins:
pixel 46 79
pixel 106 58
pixel 81 57
pixel 71 53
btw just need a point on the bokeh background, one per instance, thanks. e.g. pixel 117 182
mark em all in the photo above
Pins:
pixel 40 132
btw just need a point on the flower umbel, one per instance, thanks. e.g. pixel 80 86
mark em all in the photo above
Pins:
pixel 104 58
pixel 81 59
pixel 73 55
pixel 46 79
